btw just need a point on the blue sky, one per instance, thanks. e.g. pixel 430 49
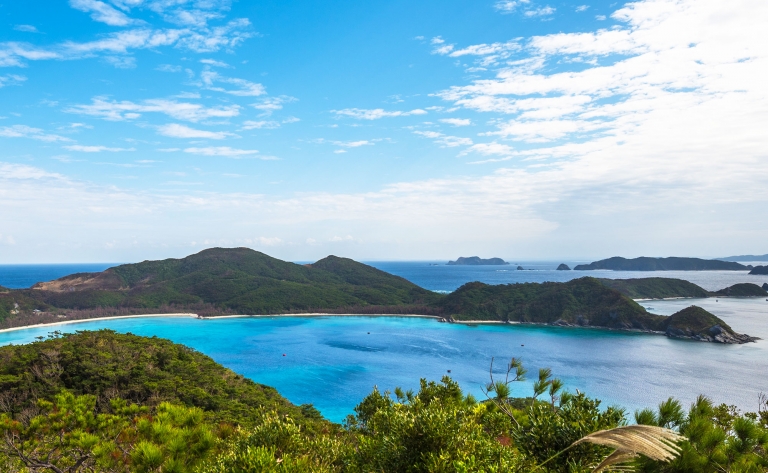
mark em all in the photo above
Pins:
pixel 135 129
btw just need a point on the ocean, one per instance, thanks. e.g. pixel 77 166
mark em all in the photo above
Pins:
pixel 333 362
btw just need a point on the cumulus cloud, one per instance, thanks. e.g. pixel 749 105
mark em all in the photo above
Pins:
pixel 102 12
pixel 272 104
pixel 175 130
pixel 375 114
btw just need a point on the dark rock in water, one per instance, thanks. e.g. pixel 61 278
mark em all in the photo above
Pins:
pixel 760 270
pixel 520 268
pixel 477 261
pixel 765 286
pixel 563 267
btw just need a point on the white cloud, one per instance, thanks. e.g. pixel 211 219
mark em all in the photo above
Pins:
pixel 508 6
pixel 26 28
pixel 168 68
pixel 96 149
pixel 102 12
pixel 272 104
pixel 245 88
pixel 126 110
pixel 582 8
pixel 11 79
pixel 24 131
pixel 456 121
pixel 174 130
pixel 222 151
pixel 200 40
pixel 375 114
pixel 256 125
pixel 445 140
pixel 121 62
pixel 215 63
pixel 600 17
pixel 542 11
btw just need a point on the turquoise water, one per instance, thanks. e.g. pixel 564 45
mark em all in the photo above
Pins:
pixel 333 362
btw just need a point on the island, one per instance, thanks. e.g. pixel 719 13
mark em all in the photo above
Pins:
pixel 745 258
pixel 477 261
pixel 760 270
pixel 235 281
pixel 644 263
pixel 563 267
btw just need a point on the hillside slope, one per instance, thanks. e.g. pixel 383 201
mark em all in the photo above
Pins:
pixel 239 279
pixel 143 370
pixel 655 288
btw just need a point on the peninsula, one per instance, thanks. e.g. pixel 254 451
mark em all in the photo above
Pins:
pixel 221 281
pixel 644 263
pixel 477 261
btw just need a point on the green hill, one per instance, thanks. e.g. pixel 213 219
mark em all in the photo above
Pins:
pixel 655 288
pixel 742 290
pixel 644 263
pixel 242 281
pixel 142 370
pixel 584 301
pixel 235 280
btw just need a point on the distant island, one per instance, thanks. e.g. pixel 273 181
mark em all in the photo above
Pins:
pixel 760 270
pixel 644 263
pixel 745 258
pixel 477 261
pixel 563 267
pixel 236 281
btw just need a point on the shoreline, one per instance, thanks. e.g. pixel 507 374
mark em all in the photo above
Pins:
pixel 95 319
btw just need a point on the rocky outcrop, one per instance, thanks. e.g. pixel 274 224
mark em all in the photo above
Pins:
pixel 563 267
pixel 695 323
pixel 760 270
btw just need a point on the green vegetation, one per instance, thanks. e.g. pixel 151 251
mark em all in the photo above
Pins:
pixel 655 288
pixel 60 418
pixel 146 371
pixel 242 281
pixel 239 280
pixel 583 301
pixel 645 263
pixel 742 290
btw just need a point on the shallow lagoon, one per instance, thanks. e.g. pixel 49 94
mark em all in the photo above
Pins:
pixel 333 362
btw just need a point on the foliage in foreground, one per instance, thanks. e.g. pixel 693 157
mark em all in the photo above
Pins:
pixel 438 429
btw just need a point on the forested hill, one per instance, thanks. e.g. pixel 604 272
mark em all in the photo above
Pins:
pixel 142 370
pixel 645 263
pixel 221 281
pixel 239 279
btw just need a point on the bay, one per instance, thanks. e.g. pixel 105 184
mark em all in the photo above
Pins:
pixel 333 362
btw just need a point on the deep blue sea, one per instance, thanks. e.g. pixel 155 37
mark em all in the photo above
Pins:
pixel 333 362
